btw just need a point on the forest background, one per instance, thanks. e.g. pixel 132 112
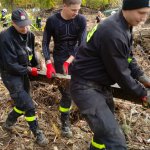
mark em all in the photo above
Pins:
pixel 52 4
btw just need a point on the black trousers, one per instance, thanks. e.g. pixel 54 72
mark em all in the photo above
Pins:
pixel 38 24
pixel 96 104
pixel 65 91
pixel 19 89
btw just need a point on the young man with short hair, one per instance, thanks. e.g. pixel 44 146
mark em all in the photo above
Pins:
pixel 68 29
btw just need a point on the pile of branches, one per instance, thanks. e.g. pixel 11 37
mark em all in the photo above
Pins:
pixel 133 119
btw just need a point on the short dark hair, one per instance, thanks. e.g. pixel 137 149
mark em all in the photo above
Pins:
pixel 71 2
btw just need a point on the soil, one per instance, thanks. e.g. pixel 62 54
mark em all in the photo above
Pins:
pixel 134 119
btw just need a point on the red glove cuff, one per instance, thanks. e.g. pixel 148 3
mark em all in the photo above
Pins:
pixel 34 71
pixel 65 67
pixel 66 64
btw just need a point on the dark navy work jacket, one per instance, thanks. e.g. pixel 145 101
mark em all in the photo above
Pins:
pixel 107 57
pixel 16 51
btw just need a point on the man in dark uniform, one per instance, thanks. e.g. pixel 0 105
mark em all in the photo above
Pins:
pixel 98 17
pixel 3 17
pixel 17 60
pixel 107 59
pixel 39 22
pixel 68 29
pixel 3 14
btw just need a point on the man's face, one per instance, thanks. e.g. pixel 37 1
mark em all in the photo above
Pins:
pixel 136 16
pixel 72 10
pixel 22 30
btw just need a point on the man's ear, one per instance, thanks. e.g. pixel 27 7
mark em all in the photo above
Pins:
pixel 64 6
pixel 14 24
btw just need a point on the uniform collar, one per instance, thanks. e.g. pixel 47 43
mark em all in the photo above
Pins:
pixel 124 22
pixel 61 18
pixel 18 36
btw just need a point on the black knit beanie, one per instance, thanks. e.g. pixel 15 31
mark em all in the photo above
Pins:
pixel 135 4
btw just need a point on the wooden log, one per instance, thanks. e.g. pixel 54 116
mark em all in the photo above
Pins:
pixel 116 90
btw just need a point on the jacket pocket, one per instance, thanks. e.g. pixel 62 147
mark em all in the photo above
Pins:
pixel 22 58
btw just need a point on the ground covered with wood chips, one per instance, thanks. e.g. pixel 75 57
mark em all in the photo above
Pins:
pixel 133 119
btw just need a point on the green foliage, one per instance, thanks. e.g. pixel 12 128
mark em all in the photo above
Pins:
pixel 25 3
pixel 83 2
pixel 7 3
pixel 47 4
pixel 96 4
pixel 44 3
pixel 101 4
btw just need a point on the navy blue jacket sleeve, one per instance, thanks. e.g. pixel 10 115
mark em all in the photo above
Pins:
pixel 46 39
pixel 34 61
pixel 136 71
pixel 114 53
pixel 82 34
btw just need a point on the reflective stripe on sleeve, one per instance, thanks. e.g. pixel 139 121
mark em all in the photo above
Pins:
pixel 30 57
pixel 129 59
pixel 90 34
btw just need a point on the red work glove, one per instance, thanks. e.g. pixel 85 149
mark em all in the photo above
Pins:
pixel 65 67
pixel 32 71
pixel 50 70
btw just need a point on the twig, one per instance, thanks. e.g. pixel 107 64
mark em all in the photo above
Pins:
pixel 7 144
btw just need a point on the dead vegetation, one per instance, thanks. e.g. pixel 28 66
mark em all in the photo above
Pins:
pixel 134 119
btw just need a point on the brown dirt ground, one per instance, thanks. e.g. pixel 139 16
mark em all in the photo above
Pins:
pixel 134 119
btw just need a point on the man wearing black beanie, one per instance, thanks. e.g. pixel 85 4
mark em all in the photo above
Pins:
pixel 135 4
pixel 104 60
pixel 135 11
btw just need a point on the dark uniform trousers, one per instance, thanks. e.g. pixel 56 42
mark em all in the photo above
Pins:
pixel 65 103
pixel 19 88
pixel 38 22
pixel 96 104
